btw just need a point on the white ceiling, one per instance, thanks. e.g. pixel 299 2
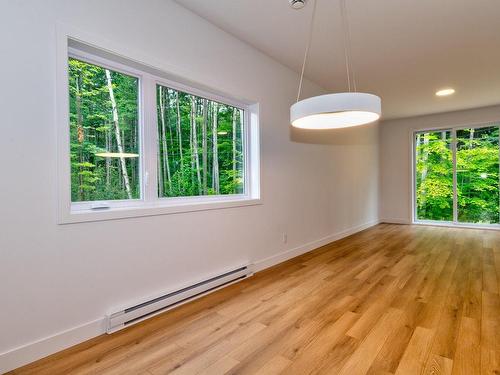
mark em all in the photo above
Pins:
pixel 403 50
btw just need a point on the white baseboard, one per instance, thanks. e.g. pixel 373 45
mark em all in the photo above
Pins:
pixel 393 220
pixel 31 352
pixel 292 253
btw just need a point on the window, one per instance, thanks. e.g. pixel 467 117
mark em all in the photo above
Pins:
pixel 200 145
pixel 104 137
pixel 138 143
pixel 456 174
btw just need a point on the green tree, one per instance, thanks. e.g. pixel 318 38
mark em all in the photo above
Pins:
pixel 200 142
pixel 94 177
pixel 477 172
pixel 434 176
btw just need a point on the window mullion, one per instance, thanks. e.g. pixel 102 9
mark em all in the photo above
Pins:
pixel 150 140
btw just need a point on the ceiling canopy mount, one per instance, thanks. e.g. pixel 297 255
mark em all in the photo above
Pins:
pixel 297 4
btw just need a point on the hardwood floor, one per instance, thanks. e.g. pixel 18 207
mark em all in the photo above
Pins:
pixel 392 299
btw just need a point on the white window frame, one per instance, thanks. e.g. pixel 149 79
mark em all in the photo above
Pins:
pixel 149 202
pixel 453 223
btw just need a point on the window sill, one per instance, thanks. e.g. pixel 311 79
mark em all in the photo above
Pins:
pixel 160 208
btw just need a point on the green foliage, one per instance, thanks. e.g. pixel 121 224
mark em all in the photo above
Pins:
pixel 477 158
pixel 189 177
pixel 92 131
pixel 477 175
pixel 434 176
pixel 190 173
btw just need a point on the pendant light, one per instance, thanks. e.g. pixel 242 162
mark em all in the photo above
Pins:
pixel 339 110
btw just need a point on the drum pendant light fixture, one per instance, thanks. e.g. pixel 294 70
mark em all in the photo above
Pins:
pixel 339 110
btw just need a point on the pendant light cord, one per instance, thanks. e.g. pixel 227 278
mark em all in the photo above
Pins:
pixel 306 53
pixel 347 46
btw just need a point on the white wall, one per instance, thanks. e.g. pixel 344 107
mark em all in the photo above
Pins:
pixel 395 155
pixel 54 278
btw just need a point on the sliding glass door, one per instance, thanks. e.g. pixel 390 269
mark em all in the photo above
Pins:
pixel 456 175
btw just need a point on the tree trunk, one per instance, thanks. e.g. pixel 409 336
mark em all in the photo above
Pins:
pixel 160 180
pixel 179 130
pixel 425 156
pixel 215 161
pixel 108 160
pixel 191 153
pixel 118 134
pixel 166 162
pixel 80 136
pixel 195 163
pixel 134 162
pixel 204 145
pixel 417 148
pixel 169 125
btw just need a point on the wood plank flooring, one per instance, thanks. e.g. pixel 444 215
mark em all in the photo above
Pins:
pixel 392 299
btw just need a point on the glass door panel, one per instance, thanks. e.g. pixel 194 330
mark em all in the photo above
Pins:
pixel 434 175
pixel 477 169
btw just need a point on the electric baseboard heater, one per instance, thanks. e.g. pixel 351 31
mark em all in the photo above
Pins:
pixel 134 314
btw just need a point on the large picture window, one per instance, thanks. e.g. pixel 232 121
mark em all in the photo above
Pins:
pixel 456 175
pixel 138 143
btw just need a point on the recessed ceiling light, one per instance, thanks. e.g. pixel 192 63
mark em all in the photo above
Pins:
pixel 445 92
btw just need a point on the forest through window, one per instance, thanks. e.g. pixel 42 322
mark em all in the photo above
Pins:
pixel 200 149
pixel 104 133
pixel 457 175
